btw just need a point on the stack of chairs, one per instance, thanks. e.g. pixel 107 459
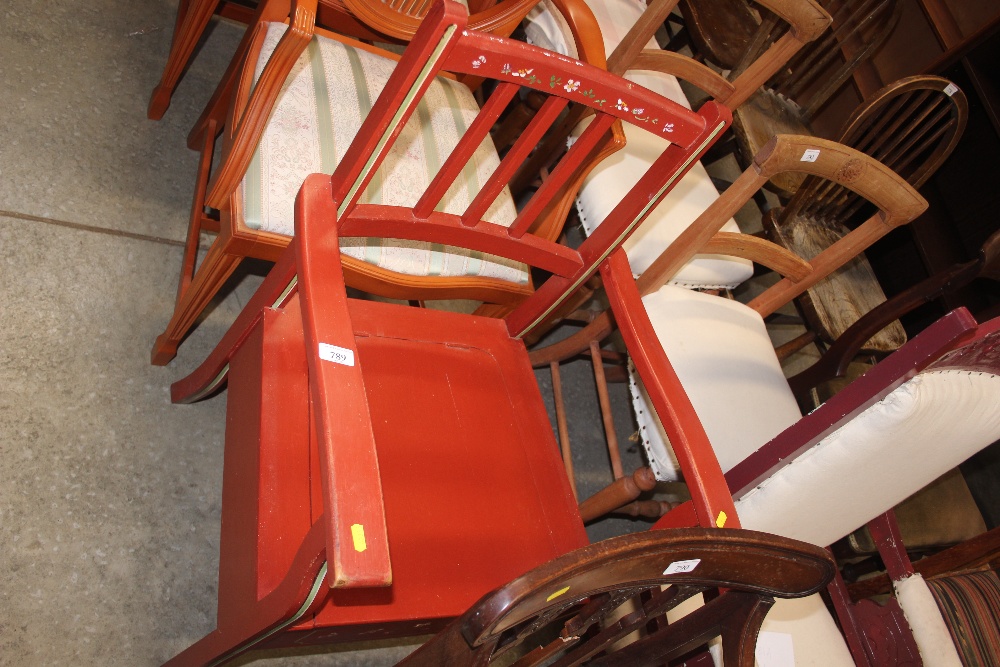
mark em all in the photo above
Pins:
pixel 389 465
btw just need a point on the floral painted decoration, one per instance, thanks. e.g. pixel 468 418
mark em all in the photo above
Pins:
pixel 572 86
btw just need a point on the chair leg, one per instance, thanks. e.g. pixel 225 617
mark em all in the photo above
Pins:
pixel 605 402
pixel 196 288
pixel 192 19
pixel 849 624
pixel 562 425
pixel 215 269
pixel 301 593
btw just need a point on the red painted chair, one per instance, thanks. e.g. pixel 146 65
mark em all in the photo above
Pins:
pixel 386 466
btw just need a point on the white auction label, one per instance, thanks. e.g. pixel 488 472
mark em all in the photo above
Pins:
pixel 681 566
pixel 950 89
pixel 810 155
pixel 338 355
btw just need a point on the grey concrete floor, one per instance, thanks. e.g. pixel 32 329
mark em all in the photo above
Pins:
pixel 109 494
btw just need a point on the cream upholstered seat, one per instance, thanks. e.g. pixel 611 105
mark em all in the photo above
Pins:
pixel 722 353
pixel 724 358
pixel 615 175
pixel 320 109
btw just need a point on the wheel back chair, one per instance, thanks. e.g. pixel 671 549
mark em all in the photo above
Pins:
pixel 387 465
pixel 816 478
pixel 295 97
pixel 385 20
pixel 628 31
pixel 911 126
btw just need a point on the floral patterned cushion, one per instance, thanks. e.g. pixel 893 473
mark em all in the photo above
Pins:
pixel 321 107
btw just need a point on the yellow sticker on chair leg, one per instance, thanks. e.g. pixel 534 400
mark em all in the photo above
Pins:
pixel 358 533
pixel 556 594
pixel 721 521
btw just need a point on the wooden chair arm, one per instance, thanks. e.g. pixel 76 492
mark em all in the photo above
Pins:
pixel 250 125
pixel 834 362
pixel 624 55
pixel 357 545
pixel 688 69
pixel 760 251
pixel 856 171
pixel 898 204
pixel 806 19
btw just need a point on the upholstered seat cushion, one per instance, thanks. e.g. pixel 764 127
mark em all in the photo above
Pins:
pixel 895 447
pixel 320 110
pixel 970 605
pixel 926 426
pixel 609 181
pixel 725 360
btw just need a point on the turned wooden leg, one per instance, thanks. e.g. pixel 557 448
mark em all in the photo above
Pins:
pixel 192 19
pixel 620 492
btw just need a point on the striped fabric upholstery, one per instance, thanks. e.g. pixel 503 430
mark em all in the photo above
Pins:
pixel 970 604
pixel 321 109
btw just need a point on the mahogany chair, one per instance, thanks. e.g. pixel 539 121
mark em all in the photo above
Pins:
pixel 911 126
pixel 818 477
pixel 963 584
pixel 387 20
pixel 628 35
pixel 789 100
pixel 581 591
pixel 295 98
pixel 387 465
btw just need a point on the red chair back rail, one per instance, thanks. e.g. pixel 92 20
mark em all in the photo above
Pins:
pixel 327 209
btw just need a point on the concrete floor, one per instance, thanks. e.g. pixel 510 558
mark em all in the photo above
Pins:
pixel 109 494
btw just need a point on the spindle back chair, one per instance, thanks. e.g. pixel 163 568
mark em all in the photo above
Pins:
pixel 911 126
pixel 789 100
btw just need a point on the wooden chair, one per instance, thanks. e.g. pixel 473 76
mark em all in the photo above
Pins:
pixel 789 100
pixel 814 478
pixel 628 35
pixel 295 97
pixel 358 498
pixel 963 585
pixel 386 20
pixel 582 590
pixel 911 126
